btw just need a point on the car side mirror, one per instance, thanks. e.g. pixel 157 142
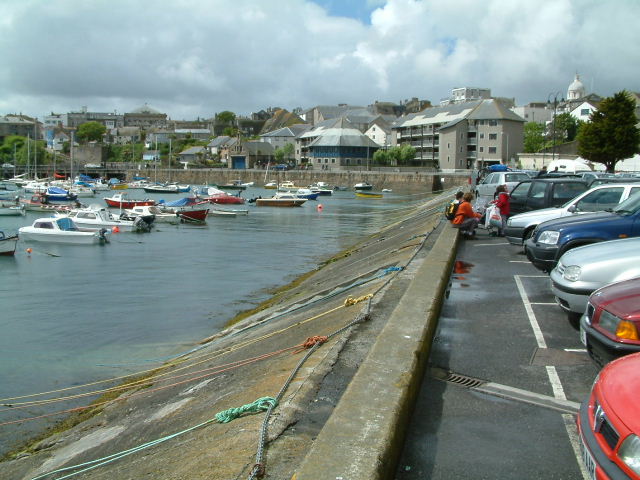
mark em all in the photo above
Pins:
pixel 572 209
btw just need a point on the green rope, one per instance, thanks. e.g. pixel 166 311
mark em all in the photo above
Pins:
pixel 261 404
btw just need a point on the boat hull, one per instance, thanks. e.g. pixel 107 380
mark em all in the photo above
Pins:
pixel 74 238
pixel 114 203
pixel 280 202
pixel 8 244
pixel 193 215
pixel 368 195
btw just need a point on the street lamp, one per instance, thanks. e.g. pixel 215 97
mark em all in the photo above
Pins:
pixel 555 106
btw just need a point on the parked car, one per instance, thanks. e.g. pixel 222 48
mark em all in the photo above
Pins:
pixel 590 176
pixel 551 239
pixel 488 185
pixel 609 423
pixel 610 327
pixel 602 180
pixel 521 226
pixel 583 270
pixel 544 192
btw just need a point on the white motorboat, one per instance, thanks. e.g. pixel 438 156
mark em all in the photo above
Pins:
pixel 99 217
pixel 12 208
pixel 160 215
pixel 281 199
pixel 62 230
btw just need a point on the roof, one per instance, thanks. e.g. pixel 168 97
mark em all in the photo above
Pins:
pixel 259 148
pixel 192 151
pixel 343 134
pixel 219 141
pixel 491 109
pixel 146 109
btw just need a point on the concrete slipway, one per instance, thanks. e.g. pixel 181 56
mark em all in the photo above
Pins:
pixel 342 410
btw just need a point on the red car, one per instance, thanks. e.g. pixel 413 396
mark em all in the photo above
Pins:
pixel 610 327
pixel 609 422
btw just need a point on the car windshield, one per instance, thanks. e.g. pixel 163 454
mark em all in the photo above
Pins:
pixel 516 177
pixel 630 206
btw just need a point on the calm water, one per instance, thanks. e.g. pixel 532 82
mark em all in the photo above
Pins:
pixel 76 314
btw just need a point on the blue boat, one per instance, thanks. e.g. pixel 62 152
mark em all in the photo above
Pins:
pixel 56 194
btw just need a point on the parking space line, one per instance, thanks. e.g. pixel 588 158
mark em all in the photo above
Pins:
pixel 552 373
pixel 530 315
pixel 544 303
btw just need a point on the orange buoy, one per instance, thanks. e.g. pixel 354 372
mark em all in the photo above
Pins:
pixel 29 250
pixel 319 207
pixel 115 229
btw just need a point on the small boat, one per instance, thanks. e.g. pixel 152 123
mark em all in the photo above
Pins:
pixel 386 190
pixel 190 215
pixel 223 198
pixel 57 194
pixel 368 194
pixel 234 185
pixel 120 200
pixel 40 203
pixel 100 217
pixel 287 185
pixel 140 184
pixel 281 199
pixel 321 188
pixel 215 210
pixel 161 188
pixel 271 185
pixel 363 186
pixel 8 244
pixel 82 191
pixel 62 230
pixel 307 193
pixel 12 208
pixel 160 215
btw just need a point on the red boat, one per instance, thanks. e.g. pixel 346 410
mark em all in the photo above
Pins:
pixel 225 198
pixel 120 200
pixel 193 215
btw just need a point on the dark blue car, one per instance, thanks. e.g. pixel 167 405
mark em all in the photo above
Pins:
pixel 554 237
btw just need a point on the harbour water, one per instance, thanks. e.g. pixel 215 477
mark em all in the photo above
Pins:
pixel 78 314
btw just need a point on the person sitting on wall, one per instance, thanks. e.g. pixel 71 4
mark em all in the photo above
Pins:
pixel 466 219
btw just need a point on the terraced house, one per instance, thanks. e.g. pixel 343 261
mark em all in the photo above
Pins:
pixel 463 135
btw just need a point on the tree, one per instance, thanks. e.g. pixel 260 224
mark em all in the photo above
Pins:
pixel 226 117
pixel 611 134
pixel 91 132
pixel 566 127
pixel 533 137
pixel 381 157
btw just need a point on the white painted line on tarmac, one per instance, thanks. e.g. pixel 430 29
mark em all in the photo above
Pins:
pixel 554 379
pixel 572 431
pixel 576 350
pixel 533 276
pixel 544 303
pixel 556 385
pixel 519 261
pixel 532 317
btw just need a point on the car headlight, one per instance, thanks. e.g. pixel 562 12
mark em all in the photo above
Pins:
pixel 629 453
pixel 618 327
pixel 550 237
pixel 572 273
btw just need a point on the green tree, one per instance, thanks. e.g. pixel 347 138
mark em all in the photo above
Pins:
pixel 533 137
pixel 381 157
pixel 407 154
pixel 611 134
pixel 91 132
pixel 226 117
pixel 566 127
pixel 230 131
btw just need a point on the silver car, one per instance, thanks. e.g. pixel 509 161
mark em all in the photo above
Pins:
pixel 519 227
pixel 582 270
pixel 487 187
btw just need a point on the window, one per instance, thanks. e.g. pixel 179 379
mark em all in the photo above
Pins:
pixel 493 136
pixel 600 199
pixel 492 123
pixel 482 135
pixel 492 149
pixel 481 149
pixel 584 112
pixel 448 145
pixel 333 160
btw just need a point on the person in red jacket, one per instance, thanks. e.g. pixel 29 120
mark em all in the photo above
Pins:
pixel 502 202
pixel 466 219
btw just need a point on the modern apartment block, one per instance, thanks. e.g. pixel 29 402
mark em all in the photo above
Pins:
pixel 462 135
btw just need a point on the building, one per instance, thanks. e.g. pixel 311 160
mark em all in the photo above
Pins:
pixel 192 155
pixel 19 125
pixel 537 112
pixel 146 118
pixel 341 146
pixel 463 135
pixel 466 94
pixel 109 120
pixel 380 132
pixel 250 154
pixel 286 135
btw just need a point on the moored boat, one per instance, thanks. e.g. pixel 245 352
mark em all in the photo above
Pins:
pixel 193 215
pixel 160 215
pixel 12 208
pixel 234 185
pixel 281 199
pixel 306 193
pixel 368 194
pixel 121 200
pixel 40 203
pixel 62 230
pixel 271 185
pixel 8 243
pixel 363 186
pixel 99 217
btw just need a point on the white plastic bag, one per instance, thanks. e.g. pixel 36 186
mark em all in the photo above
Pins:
pixel 493 218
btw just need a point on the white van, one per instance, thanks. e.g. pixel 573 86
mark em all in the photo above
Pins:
pixel 568 166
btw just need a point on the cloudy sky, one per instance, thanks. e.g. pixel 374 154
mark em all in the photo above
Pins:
pixel 193 58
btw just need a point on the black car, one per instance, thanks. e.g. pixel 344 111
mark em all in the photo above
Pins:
pixel 545 192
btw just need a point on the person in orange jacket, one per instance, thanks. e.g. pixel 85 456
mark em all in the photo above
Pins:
pixel 466 219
